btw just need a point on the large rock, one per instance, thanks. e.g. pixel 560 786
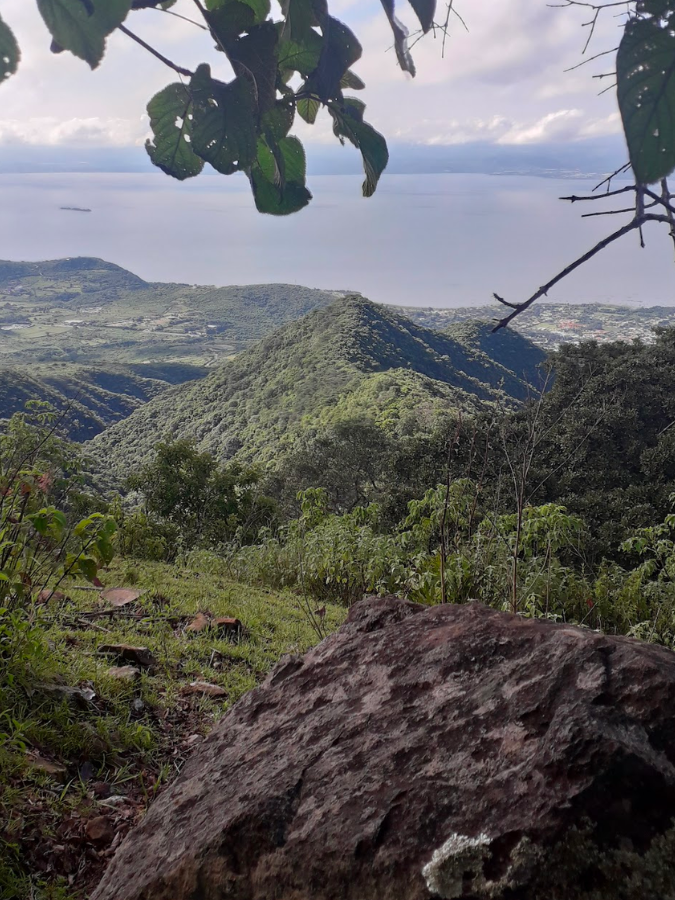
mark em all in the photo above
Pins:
pixel 450 752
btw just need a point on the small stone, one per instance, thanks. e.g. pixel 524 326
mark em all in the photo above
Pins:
pixel 124 673
pixel 101 790
pixel 141 656
pixel 100 830
pixel 204 688
pixel 137 706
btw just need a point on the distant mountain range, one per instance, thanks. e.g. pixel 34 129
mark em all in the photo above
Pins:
pixel 351 358
pixel 589 157
pixel 93 338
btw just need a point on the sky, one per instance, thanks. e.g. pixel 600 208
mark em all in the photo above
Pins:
pixel 502 79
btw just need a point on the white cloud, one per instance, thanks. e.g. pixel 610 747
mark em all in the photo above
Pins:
pixel 501 81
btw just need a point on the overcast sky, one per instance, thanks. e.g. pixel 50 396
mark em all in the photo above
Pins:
pixel 502 81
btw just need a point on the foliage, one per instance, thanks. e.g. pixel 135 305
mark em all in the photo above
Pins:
pixel 294 64
pixel 38 549
pixel 350 360
pixel 197 500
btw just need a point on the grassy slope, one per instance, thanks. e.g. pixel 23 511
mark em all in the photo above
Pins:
pixel 135 750
pixel 254 405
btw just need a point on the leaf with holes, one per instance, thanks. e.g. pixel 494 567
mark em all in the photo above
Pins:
pixel 75 27
pixel 223 127
pixel 645 67
pixel 171 150
pixel 276 192
pixel 9 52
pixel 348 123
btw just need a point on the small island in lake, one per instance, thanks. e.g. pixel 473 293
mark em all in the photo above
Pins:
pixel 75 209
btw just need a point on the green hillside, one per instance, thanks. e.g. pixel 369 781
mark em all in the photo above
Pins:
pixel 353 357
pixel 95 313
pixel 89 399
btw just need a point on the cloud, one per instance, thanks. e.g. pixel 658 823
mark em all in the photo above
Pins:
pixel 92 132
pixel 502 81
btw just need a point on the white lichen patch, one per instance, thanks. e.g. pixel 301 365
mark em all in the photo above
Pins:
pixel 459 856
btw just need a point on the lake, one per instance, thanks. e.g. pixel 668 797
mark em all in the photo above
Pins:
pixel 424 240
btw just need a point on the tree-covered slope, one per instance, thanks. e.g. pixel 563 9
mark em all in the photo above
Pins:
pixel 87 399
pixel 335 359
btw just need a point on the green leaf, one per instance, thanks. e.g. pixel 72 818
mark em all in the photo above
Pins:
pixel 88 567
pixel 299 19
pixel 400 38
pixel 260 8
pixel 9 52
pixel 170 114
pixel 75 27
pixel 278 121
pixel 228 19
pixel 275 192
pixel 308 109
pixel 223 128
pixel 339 52
pixel 352 82
pixel 425 11
pixel 654 7
pixel 348 123
pixel 301 56
pixel 646 92
pixel 254 56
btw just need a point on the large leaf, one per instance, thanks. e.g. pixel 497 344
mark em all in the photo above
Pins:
pixel 254 57
pixel 229 18
pixel 260 8
pixel 224 124
pixel 400 38
pixel 348 123
pixel 299 19
pixel 340 50
pixel 82 27
pixel 277 193
pixel 646 91
pixel 425 11
pixel 301 56
pixel 9 52
pixel 170 114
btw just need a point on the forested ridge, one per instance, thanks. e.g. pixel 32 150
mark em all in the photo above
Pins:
pixel 344 357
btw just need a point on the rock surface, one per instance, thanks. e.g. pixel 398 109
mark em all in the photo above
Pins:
pixel 452 752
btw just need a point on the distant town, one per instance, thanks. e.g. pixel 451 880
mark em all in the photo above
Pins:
pixel 551 324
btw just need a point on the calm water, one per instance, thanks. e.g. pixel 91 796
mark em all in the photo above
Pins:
pixel 436 240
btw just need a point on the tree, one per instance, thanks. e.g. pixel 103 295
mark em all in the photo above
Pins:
pixel 207 504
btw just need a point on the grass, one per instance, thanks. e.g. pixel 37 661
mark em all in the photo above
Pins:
pixel 111 755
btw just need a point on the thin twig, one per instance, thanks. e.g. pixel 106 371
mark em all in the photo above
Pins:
pixel 156 53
